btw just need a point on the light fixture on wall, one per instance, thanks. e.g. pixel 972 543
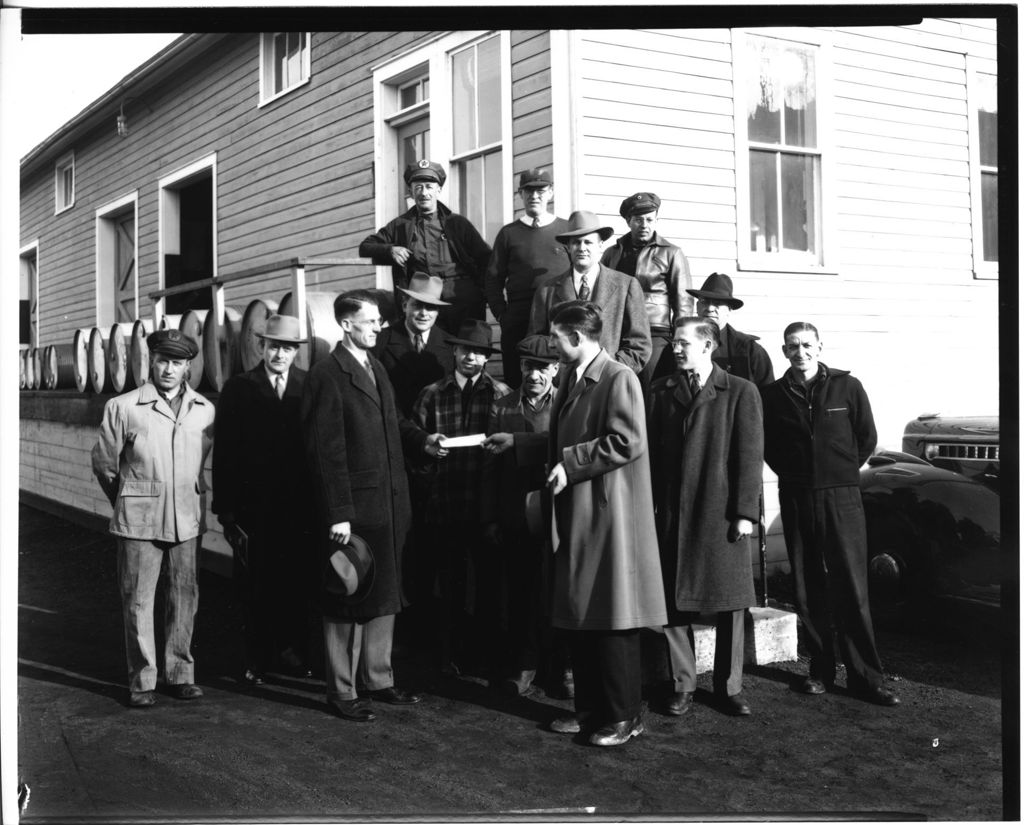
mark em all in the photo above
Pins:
pixel 122 123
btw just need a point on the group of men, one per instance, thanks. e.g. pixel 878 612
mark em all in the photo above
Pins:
pixel 609 483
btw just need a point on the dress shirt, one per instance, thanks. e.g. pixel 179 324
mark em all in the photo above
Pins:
pixel 592 274
pixel 543 219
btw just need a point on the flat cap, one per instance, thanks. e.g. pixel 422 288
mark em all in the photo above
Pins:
pixel 535 179
pixel 173 343
pixel 537 348
pixel 425 170
pixel 638 204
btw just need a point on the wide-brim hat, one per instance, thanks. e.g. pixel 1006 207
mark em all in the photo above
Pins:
pixel 173 343
pixel 425 170
pixel 537 348
pixel 717 287
pixel 282 328
pixel 426 289
pixel 357 557
pixel 475 334
pixel 583 223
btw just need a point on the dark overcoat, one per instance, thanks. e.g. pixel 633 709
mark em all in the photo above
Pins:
pixel 606 570
pixel 707 460
pixel 259 462
pixel 411 371
pixel 354 447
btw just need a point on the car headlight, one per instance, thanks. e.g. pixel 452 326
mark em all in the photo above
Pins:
pixel 931 451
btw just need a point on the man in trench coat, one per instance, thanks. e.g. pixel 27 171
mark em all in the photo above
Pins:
pixel 707 447
pixel 355 446
pixel 607 578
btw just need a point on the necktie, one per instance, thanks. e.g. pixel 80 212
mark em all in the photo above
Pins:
pixel 279 385
pixel 467 400
pixel 694 380
pixel 369 369
pixel 536 223
pixel 584 291
pixel 420 343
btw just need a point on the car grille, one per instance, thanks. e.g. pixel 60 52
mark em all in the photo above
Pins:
pixel 968 452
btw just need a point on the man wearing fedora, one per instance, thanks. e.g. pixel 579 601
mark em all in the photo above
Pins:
pixel 459 405
pixel 149 459
pixel 430 238
pixel 626 332
pixel 525 252
pixel 659 266
pixel 518 439
pixel 262 497
pixel 355 446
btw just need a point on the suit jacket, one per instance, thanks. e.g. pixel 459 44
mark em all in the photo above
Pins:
pixel 354 439
pixel 626 331
pixel 706 462
pixel 411 371
pixel 606 571
pixel 259 464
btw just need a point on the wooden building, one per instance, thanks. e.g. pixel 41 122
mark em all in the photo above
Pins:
pixel 843 175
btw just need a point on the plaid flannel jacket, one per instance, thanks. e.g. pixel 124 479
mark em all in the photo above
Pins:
pixel 458 479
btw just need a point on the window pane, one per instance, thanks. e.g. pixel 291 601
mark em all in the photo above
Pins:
pixel 471 185
pixel 781 93
pixel 764 197
pixel 280 58
pixel 990 215
pixel 800 99
pixel 988 133
pixel 764 122
pixel 489 91
pixel 408 96
pixel 493 195
pixel 464 101
pixel 799 218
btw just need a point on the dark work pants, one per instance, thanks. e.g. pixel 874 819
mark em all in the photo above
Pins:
pixel 606 666
pixel 514 324
pixel 729 633
pixel 656 366
pixel 826 539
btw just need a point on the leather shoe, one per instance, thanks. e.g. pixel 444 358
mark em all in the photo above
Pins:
pixel 186 691
pixel 519 684
pixel 680 704
pixel 394 696
pixel 618 733
pixel 812 686
pixel 878 695
pixel 734 705
pixel 252 678
pixel 355 710
pixel 142 699
pixel 568 724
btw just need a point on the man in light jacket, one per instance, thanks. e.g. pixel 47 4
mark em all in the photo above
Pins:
pixel 149 461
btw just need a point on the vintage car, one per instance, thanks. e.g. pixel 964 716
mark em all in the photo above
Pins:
pixel 963 444
pixel 933 537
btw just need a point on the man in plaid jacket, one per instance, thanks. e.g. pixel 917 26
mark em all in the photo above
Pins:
pixel 458 405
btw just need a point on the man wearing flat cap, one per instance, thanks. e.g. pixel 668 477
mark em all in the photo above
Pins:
pixel 149 460
pixel 518 439
pixel 432 239
pixel 659 266
pixel 525 252
pixel 262 497
pixel 458 405
pixel 626 332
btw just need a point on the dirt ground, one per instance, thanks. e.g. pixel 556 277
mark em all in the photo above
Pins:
pixel 468 752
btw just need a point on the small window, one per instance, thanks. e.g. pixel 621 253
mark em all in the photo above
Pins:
pixel 988 151
pixel 284 61
pixel 64 184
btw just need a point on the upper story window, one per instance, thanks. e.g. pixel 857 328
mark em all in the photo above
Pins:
pixel 64 184
pixel 284 63
pixel 779 180
pixel 985 174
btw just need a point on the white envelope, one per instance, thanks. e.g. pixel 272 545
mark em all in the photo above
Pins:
pixel 474 440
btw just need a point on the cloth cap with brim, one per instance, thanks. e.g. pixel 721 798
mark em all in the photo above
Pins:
pixel 537 348
pixel 173 343
pixel 475 334
pixel 350 569
pixel 534 179
pixel 639 204
pixel 426 289
pixel 718 288
pixel 425 170
pixel 282 328
pixel 583 223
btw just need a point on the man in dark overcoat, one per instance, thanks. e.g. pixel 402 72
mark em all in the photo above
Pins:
pixel 607 578
pixel 707 456
pixel 626 332
pixel 261 496
pixel 355 446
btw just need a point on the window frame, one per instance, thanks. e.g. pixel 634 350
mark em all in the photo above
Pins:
pixel 106 242
pixel 31 250
pixel 983 270
pixel 267 67
pixel 752 260
pixel 60 167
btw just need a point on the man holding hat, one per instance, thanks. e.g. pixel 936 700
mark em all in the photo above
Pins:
pixel 525 252
pixel 262 497
pixel 149 460
pixel 459 405
pixel 659 266
pixel 431 238
pixel 626 332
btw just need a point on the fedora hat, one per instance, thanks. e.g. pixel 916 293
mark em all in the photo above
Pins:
pixel 426 289
pixel 350 569
pixel 583 223
pixel 476 334
pixel 717 287
pixel 282 328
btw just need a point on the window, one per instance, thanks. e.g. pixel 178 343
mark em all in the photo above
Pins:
pixel 28 281
pixel 64 184
pixel 779 179
pixel 117 285
pixel 984 138
pixel 284 62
